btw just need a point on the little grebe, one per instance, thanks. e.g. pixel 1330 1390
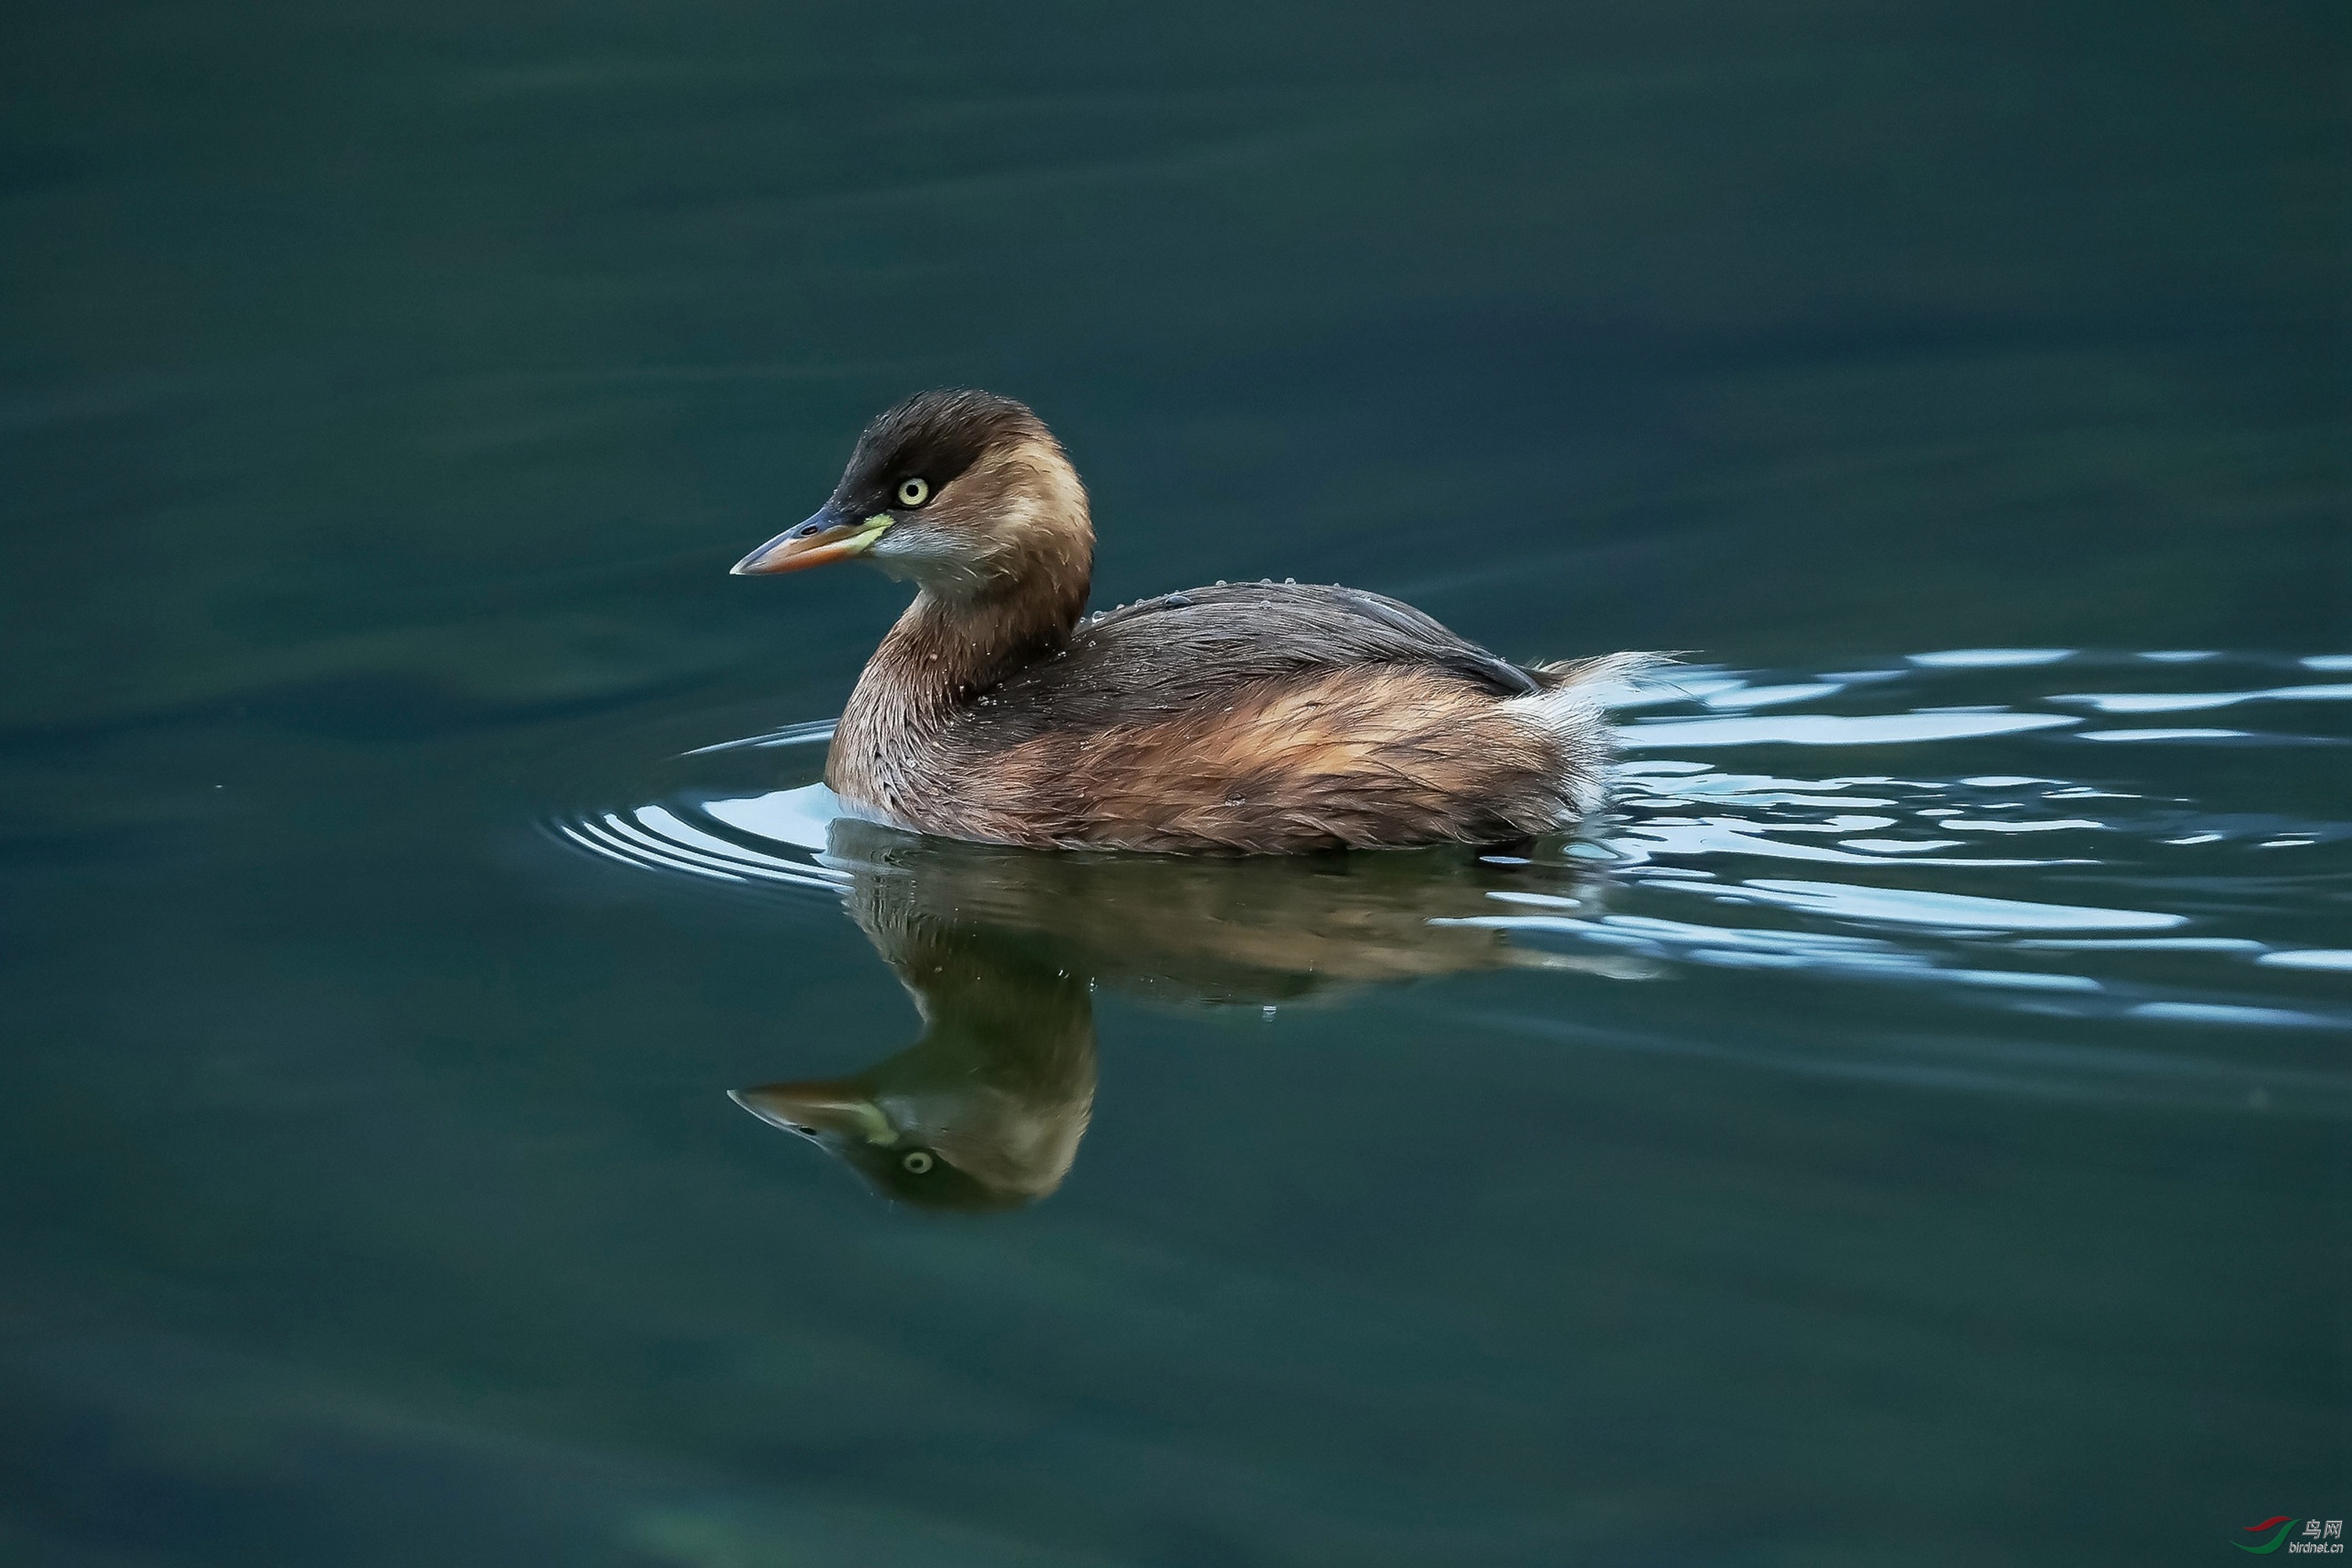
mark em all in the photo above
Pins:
pixel 1265 719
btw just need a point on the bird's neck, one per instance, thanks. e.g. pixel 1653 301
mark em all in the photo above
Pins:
pixel 893 741
pixel 947 649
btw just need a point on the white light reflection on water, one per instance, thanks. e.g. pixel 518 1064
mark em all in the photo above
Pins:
pixel 785 829
pixel 2164 735
pixel 2339 959
pixel 1834 729
pixel 2191 701
pixel 1956 912
pixel 801 816
pixel 790 735
pixel 1773 696
pixel 2230 1012
pixel 1665 835
pixel 2147 944
pixel 1991 658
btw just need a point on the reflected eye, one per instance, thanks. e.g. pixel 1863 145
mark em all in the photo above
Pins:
pixel 913 492
pixel 917 1162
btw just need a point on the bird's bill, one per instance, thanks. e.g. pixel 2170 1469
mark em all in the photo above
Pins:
pixel 825 538
pixel 817 1107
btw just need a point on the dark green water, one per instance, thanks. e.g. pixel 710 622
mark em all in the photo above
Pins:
pixel 1812 1164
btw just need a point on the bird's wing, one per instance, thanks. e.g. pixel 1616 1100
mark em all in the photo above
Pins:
pixel 1166 654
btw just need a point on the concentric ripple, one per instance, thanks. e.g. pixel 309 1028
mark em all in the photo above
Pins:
pixel 771 839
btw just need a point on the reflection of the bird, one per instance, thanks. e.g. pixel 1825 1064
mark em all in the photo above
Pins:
pixel 1002 949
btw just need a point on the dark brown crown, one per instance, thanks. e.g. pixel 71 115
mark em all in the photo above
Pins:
pixel 934 437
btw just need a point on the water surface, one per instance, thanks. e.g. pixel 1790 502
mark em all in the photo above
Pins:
pixel 1910 1127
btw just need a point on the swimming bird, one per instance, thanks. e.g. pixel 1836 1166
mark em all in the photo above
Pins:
pixel 1240 719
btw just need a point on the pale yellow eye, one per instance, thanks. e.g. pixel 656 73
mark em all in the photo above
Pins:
pixel 913 492
pixel 917 1162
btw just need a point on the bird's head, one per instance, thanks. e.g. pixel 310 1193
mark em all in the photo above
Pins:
pixel 969 1145
pixel 965 493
